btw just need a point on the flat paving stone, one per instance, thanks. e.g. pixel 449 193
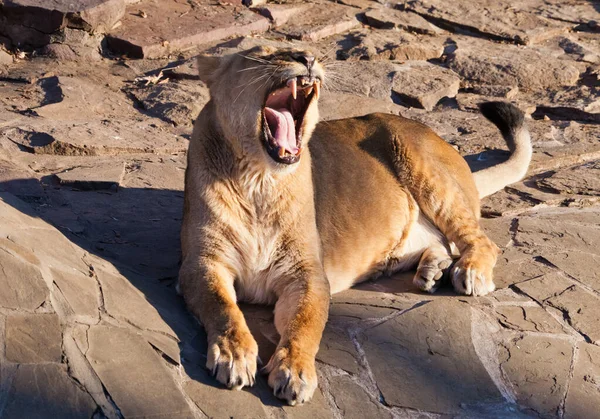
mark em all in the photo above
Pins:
pixel 497 64
pixel 100 177
pixel 500 20
pixel 531 319
pixel 81 293
pixel 29 292
pixel 581 311
pixel 174 26
pixel 354 402
pixel 134 374
pixel 545 286
pixel 581 180
pixel 537 368
pixel 427 347
pixel 583 397
pixel 46 391
pixel 33 338
pixel 385 18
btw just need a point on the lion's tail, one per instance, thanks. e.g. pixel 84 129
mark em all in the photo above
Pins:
pixel 509 120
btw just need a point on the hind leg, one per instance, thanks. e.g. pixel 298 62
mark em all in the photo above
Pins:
pixel 432 268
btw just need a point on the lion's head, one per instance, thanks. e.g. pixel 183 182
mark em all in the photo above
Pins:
pixel 265 100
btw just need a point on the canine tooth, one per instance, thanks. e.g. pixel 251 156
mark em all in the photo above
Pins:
pixel 308 91
pixel 292 84
pixel 317 87
pixel 281 152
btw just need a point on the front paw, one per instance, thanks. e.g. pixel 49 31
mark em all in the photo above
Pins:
pixel 473 276
pixel 232 358
pixel 292 377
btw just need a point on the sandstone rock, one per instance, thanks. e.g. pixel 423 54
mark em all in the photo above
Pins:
pixel 581 310
pixel 428 348
pixel 338 350
pixel 133 374
pixel 577 264
pixel 363 78
pixel 389 45
pixel 537 368
pixel 47 391
pixel 178 103
pixel 544 287
pixel 81 294
pixel 27 293
pixel 511 269
pixel 172 27
pixel 99 177
pixel 580 180
pixel 396 19
pixel 33 338
pixel 579 49
pixel 123 301
pixel 279 14
pixel 353 401
pixel 94 138
pixel 161 175
pixel 5 58
pixel 496 64
pixel 321 20
pixel 34 19
pixel 317 408
pixel 423 85
pixel 584 393
pixel 532 319
pixel 500 20
pixel 557 232
pixel 340 105
pixel 580 103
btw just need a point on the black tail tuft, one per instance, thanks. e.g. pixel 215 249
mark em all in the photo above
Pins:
pixel 507 117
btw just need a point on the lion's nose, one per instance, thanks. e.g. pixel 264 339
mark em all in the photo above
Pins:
pixel 305 58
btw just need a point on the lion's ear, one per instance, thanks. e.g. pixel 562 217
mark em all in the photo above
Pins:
pixel 207 65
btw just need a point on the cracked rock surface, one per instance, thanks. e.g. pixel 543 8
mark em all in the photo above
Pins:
pixel 97 101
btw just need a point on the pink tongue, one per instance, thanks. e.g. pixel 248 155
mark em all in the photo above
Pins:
pixel 282 128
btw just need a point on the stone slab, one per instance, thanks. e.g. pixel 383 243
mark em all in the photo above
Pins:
pixel 354 402
pixel 98 177
pixel 580 180
pixel 134 374
pixel 581 310
pixel 422 85
pixel 29 292
pixel 279 14
pixel 577 265
pixel 123 301
pixel 545 286
pixel 537 367
pixel 321 20
pixel 334 105
pixel 81 293
pixel 33 338
pixel 482 62
pixel 384 18
pixel 178 103
pixel 531 319
pixel 389 45
pixel 171 27
pixel 499 20
pixel 419 359
pixel 47 391
pixel 583 398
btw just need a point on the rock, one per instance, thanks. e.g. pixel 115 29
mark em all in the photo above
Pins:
pixel 497 64
pixel 545 286
pixel 532 319
pixel 321 20
pixel 94 138
pixel 338 350
pixel 581 310
pixel 81 294
pixel 576 264
pixel 33 338
pixel 279 14
pixel 580 103
pixel 584 392
pixel 99 177
pixel 498 20
pixel 389 45
pixel 60 52
pixel 513 268
pixel 27 293
pixel 47 391
pixel 396 19
pixel 340 105
pixel 172 27
pixel 537 368
pixel 178 103
pixel 363 78
pixel 428 348
pixel 123 301
pixel 557 232
pixel 317 408
pixel 35 21
pixel 134 374
pixel 5 58
pixel 353 401
pixel 579 50
pixel 423 85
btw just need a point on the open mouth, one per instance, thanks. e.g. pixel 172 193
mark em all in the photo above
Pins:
pixel 283 117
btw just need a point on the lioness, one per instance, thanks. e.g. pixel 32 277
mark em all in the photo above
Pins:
pixel 270 218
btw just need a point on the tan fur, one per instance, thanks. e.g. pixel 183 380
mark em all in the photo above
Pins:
pixel 369 196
